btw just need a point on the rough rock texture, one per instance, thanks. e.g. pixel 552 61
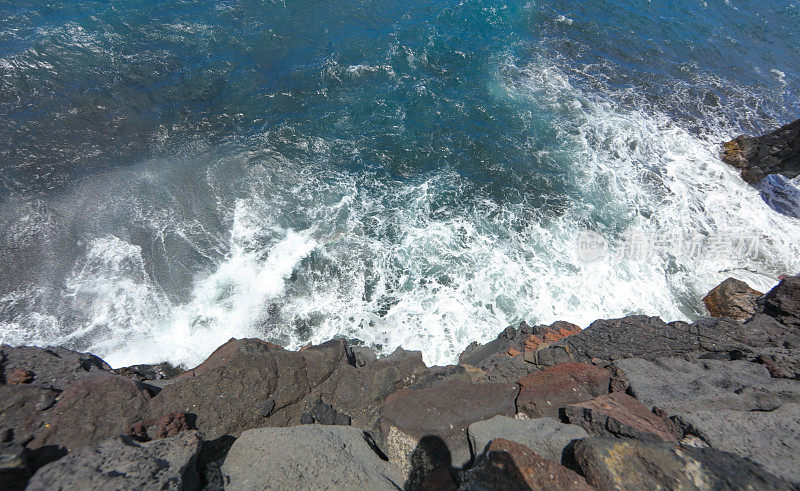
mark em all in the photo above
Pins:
pixel 612 463
pixel 306 457
pixel 91 410
pixel 676 385
pixel 14 471
pixel 783 304
pixel 249 383
pixel 164 427
pixel 781 363
pixel 618 414
pixel 21 409
pixel 770 438
pixel 53 368
pixel 443 412
pixel 509 465
pixel 547 437
pixel 732 298
pixel 122 463
pixel 143 373
pixel 543 393
pixel 774 153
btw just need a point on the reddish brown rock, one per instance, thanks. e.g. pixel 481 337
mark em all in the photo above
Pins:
pixel 164 427
pixel 439 480
pixel 509 465
pixel 20 376
pixel 543 393
pixel 732 298
pixel 93 409
pixel 548 334
pixel 512 351
pixel 618 414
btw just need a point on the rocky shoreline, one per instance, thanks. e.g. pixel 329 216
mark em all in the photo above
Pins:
pixel 631 403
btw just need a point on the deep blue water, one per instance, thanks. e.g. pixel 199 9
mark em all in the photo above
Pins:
pixel 406 173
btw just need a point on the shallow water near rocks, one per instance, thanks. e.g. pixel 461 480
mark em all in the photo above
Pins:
pixel 405 173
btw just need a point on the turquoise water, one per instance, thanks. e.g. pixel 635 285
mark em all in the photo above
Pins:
pixel 405 173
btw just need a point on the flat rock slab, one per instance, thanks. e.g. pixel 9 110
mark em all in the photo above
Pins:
pixel 678 386
pixel 545 436
pixel 543 393
pixel 306 457
pixel 770 438
pixel 620 415
pixel 442 412
pixel 121 463
pixel 627 464
pixel 509 465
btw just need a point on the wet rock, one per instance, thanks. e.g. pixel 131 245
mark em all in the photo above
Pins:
pixel 443 412
pixel 774 153
pixel 14 470
pixel 144 373
pixel 620 415
pixel 732 298
pixel 123 463
pixel 306 457
pixel 509 465
pixel 164 427
pixel 543 393
pixel 228 391
pixel 93 409
pixel 545 436
pixel 769 438
pixel 677 386
pixel 54 368
pixel 627 464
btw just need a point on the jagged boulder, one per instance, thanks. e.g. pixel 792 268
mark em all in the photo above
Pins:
pixel 123 463
pixel 783 304
pixel 307 457
pixel 545 436
pixel 732 298
pixel 510 465
pixel 627 464
pixel 774 153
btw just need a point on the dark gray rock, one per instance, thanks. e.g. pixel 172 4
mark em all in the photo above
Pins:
pixel 770 438
pixel 678 386
pixel 783 304
pixel 21 409
pixel 774 153
pixel 306 457
pixel 627 464
pixel 143 373
pixel 54 368
pixel 545 436
pixel 781 363
pixel 122 463
pixel 14 469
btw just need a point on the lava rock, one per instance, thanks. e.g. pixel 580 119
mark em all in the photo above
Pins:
pixel 442 412
pixel 783 302
pixel 543 393
pixel 21 409
pixel 678 386
pixel 123 463
pixel 14 470
pixel 164 427
pixel 143 373
pixel 306 457
pixel 509 465
pixel 54 368
pixel 545 436
pixel 770 438
pixel 627 464
pixel 777 152
pixel 732 298
pixel 620 415
pixel 93 409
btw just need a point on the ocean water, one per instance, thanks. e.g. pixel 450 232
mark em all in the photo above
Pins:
pixel 404 173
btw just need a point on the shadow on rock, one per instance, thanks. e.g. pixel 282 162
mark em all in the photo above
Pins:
pixel 209 461
pixel 431 466
pixel 781 195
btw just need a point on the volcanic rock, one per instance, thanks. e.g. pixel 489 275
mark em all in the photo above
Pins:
pixel 164 427
pixel 54 368
pixel 618 414
pixel 627 464
pixel 123 463
pixel 774 153
pixel 545 436
pixel 14 470
pixel 732 298
pixel 543 393
pixel 20 409
pixel 509 465
pixel 783 303
pixel 306 457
